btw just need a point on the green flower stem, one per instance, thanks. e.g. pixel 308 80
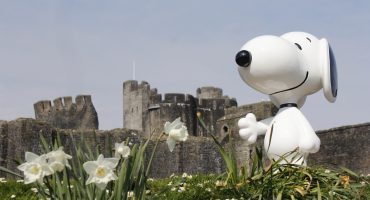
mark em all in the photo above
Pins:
pixel 48 185
pixel 151 157
pixel 69 183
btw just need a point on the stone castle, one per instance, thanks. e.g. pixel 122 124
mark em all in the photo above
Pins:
pixel 145 110
pixel 144 113
pixel 68 115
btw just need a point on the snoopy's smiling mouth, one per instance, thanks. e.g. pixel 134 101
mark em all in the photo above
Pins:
pixel 305 79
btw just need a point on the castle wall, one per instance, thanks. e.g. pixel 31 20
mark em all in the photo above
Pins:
pixel 211 110
pixel 66 114
pixel 343 146
pixel 145 110
pixel 229 122
pixel 196 155
pixel 172 107
pixel 3 143
pixel 22 136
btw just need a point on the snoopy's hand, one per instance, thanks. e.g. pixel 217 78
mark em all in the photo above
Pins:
pixel 248 128
pixel 309 144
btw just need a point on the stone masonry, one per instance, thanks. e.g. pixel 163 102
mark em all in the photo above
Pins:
pixel 228 124
pixel 346 146
pixel 145 110
pixel 68 115
pixel 343 146
pixel 196 155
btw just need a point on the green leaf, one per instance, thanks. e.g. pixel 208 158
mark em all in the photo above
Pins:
pixel 124 179
pixel 45 145
pixel 319 196
pixel 230 163
pixel 279 196
pixel 200 119
pixel 58 188
pixel 349 172
pixel 9 172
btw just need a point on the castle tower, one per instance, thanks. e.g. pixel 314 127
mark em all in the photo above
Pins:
pixel 145 110
pixel 173 105
pixel 136 100
pixel 211 106
pixel 66 114
pixel 209 93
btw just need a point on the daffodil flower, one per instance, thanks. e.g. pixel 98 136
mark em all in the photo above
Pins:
pixel 121 150
pixel 58 159
pixel 176 131
pixel 35 168
pixel 101 171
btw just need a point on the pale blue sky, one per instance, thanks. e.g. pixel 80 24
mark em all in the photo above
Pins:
pixel 52 48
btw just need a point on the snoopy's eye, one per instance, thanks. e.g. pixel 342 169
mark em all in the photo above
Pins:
pixel 299 46
pixel 308 39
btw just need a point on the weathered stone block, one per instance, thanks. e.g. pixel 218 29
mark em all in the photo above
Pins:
pixel 196 155
pixel 23 135
pixel 200 155
pixel 209 93
pixel 346 146
pixel 3 144
pixel 68 115
pixel 229 122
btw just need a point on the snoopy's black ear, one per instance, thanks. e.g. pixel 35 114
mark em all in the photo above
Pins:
pixel 329 71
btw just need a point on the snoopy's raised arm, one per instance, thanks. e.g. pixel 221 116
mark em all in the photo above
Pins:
pixel 250 128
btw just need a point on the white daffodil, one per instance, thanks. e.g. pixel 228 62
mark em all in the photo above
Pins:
pixel 121 150
pixel 58 159
pixel 35 190
pixel 101 171
pixel 176 131
pixel 184 175
pixel 35 168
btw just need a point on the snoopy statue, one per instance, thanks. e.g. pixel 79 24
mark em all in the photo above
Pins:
pixel 287 68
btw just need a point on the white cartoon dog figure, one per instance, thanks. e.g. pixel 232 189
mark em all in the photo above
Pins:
pixel 287 68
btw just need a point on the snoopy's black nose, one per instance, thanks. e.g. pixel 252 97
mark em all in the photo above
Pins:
pixel 243 58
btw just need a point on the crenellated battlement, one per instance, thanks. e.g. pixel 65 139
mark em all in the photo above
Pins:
pixel 82 101
pixel 146 110
pixel 209 92
pixel 64 113
pixel 133 85
pixel 42 108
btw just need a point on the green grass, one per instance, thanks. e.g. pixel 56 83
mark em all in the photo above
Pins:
pixel 20 190
pixel 289 183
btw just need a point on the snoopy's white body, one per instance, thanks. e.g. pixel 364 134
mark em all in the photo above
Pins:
pixel 290 129
pixel 287 68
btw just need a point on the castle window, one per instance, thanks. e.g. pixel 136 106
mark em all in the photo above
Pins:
pixel 225 129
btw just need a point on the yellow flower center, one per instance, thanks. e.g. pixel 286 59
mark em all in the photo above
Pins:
pixel 35 169
pixel 101 172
